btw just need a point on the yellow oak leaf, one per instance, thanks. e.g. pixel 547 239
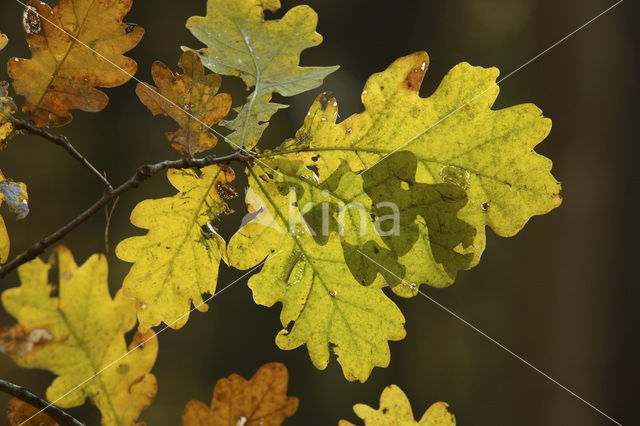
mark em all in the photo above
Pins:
pixel 79 336
pixel 323 306
pixel 177 261
pixel 455 135
pixel 193 92
pixel 4 40
pixel 395 410
pixel 76 46
pixel 262 400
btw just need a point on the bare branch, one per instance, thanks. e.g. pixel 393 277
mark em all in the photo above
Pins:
pixel 62 141
pixel 143 173
pixel 57 414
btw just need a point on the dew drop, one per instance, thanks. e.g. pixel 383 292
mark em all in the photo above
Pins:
pixel 333 293
pixel 456 176
pixel 67 275
pixel 143 307
pixel 297 274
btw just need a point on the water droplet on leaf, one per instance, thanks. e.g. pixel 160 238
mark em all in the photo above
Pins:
pixel 456 176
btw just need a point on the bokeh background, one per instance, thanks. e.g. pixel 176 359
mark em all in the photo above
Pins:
pixel 563 293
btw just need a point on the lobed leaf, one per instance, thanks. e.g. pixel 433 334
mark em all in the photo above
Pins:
pixel 178 259
pixel 264 54
pixel 262 400
pixel 454 134
pixel 323 306
pixel 190 99
pixel 395 409
pixel 388 223
pixel 76 46
pixel 20 413
pixel 79 335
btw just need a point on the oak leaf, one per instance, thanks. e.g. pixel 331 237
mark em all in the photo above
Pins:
pixel 261 400
pixel 263 53
pixel 76 46
pixel 4 40
pixel 395 409
pixel 388 223
pixel 79 336
pixel 454 134
pixel 14 194
pixel 177 261
pixel 190 99
pixel 323 306
pixel 20 414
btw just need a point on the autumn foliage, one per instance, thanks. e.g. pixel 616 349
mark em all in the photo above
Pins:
pixel 447 166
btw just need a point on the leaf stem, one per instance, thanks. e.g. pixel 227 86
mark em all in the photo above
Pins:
pixel 62 141
pixel 57 414
pixel 143 173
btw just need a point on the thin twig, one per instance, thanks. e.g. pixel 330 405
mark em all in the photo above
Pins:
pixel 106 228
pixel 62 141
pixel 143 173
pixel 57 414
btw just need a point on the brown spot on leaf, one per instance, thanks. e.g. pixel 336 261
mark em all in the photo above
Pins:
pixel 414 79
pixel 31 21
pixel 18 341
pixel 225 191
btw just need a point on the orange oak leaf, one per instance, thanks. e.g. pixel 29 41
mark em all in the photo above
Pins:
pixel 191 99
pixel 76 46
pixel 21 413
pixel 262 400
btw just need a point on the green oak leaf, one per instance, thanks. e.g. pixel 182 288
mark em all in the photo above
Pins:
pixel 323 306
pixel 264 54
pixel 455 135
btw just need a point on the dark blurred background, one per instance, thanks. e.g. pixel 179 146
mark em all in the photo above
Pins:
pixel 563 293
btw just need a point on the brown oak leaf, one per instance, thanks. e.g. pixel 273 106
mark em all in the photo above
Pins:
pixel 262 400
pixel 21 413
pixel 76 46
pixel 191 99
